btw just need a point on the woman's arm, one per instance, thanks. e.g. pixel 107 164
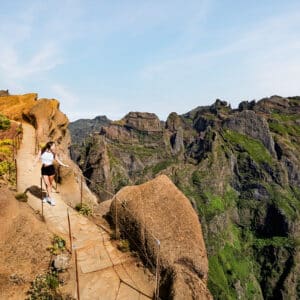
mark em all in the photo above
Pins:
pixel 60 162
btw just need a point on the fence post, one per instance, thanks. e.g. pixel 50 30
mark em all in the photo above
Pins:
pixel 157 272
pixel 70 232
pixel 41 184
pixel 77 277
pixel 16 168
pixel 116 220
pixel 80 190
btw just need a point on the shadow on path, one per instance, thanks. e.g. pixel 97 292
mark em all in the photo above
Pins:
pixel 36 191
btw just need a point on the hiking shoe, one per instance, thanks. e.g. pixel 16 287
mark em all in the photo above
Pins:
pixel 52 201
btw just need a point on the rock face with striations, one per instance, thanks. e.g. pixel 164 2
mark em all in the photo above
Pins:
pixel 158 210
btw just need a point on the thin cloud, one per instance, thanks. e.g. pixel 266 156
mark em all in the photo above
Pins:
pixel 277 32
pixel 43 60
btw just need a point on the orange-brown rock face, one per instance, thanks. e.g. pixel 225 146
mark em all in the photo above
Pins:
pixel 50 122
pixel 158 209
pixel 51 125
pixel 16 106
pixel 44 114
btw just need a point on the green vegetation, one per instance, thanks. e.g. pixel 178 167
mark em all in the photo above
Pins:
pixel 276 241
pixel 84 209
pixel 22 197
pixel 161 166
pixel 253 147
pixel 230 265
pixel 284 117
pixel 285 200
pixel 218 204
pixel 4 122
pixel 6 149
pixel 44 287
pixel 284 128
pixel 58 245
pixel 123 245
pixel 6 167
pixel 6 142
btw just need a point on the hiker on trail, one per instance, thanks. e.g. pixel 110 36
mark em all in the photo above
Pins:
pixel 47 155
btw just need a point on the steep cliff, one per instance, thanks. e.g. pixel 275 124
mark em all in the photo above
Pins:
pixel 240 170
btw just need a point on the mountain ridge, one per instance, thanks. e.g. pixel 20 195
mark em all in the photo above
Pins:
pixel 240 170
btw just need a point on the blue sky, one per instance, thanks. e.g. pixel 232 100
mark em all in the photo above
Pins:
pixel 111 57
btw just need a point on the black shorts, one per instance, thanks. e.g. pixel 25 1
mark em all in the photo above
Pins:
pixel 48 170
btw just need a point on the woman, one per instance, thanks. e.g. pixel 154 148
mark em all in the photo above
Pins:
pixel 47 156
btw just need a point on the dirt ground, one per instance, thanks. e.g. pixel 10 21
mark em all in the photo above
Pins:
pixel 23 242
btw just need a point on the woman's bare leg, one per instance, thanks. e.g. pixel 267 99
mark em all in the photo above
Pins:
pixel 48 185
pixel 51 179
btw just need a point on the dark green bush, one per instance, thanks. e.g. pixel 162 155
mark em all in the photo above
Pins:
pixel 83 209
pixel 22 197
pixel 44 287
pixel 4 122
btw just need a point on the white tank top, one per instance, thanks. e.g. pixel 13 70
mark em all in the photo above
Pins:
pixel 47 158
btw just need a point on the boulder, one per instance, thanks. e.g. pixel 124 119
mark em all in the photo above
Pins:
pixel 158 211
pixel 61 262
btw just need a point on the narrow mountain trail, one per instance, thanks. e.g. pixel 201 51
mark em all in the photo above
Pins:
pixel 104 271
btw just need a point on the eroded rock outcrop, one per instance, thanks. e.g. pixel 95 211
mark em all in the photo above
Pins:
pixel 158 209
pixel 51 125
